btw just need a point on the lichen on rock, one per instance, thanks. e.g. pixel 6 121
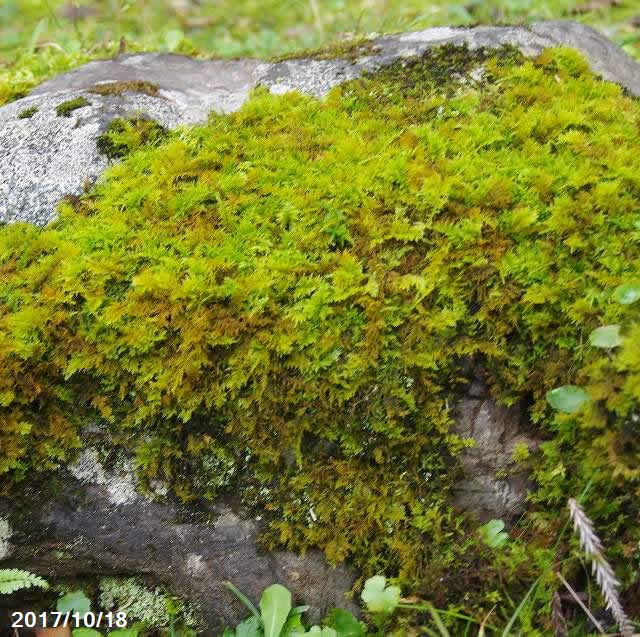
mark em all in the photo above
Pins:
pixel 5 536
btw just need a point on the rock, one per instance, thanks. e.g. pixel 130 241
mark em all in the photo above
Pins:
pixel 492 487
pixel 45 156
pixel 5 535
pixel 98 524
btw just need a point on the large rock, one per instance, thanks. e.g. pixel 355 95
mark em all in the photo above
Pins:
pixel 45 157
pixel 96 522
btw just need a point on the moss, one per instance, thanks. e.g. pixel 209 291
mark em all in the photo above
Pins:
pixel 283 298
pixel 132 86
pixel 123 136
pixel 28 112
pixel 351 50
pixel 66 108
pixel 154 607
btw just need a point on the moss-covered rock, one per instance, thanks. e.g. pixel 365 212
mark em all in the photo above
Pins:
pixel 285 299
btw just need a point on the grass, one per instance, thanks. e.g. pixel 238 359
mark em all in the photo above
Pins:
pixel 40 38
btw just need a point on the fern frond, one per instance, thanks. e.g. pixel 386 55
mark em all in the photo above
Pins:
pixel 13 579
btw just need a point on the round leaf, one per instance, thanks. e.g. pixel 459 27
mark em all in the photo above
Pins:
pixel 568 398
pixel 494 534
pixel 74 602
pixel 627 294
pixel 378 598
pixel 607 336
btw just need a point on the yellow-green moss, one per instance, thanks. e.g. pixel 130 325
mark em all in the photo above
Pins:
pixel 27 112
pixel 124 136
pixel 66 108
pixel 351 50
pixel 280 302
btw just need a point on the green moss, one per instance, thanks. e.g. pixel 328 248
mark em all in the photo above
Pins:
pixel 28 112
pixel 119 88
pixel 66 108
pixel 351 50
pixel 154 607
pixel 124 136
pixel 283 300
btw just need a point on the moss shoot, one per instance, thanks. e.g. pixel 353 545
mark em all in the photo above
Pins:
pixel 281 301
pixel 66 108
pixel 27 112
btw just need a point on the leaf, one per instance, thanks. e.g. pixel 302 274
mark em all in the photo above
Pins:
pixel 378 598
pixel 568 398
pixel 13 579
pixel 251 627
pixel 321 632
pixel 85 632
pixel 74 602
pixel 493 534
pixel 293 626
pixel 275 605
pixel 627 294
pixel 243 598
pixel 345 623
pixel 607 336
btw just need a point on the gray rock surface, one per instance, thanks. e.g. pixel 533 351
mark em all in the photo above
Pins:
pixel 494 485
pixel 98 524
pixel 45 157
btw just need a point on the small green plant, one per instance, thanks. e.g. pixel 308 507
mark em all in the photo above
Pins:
pixel 12 580
pixel 493 534
pixel 276 617
pixel 66 108
pixel 74 602
pixel 27 112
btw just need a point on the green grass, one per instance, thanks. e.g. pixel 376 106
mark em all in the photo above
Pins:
pixel 40 38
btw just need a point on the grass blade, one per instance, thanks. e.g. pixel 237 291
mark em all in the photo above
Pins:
pixel 244 599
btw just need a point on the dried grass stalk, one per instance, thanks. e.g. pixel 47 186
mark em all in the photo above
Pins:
pixel 605 576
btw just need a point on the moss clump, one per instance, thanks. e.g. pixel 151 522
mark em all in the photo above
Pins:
pixel 155 608
pixel 132 86
pixel 124 136
pixel 291 291
pixel 28 112
pixel 351 50
pixel 66 108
